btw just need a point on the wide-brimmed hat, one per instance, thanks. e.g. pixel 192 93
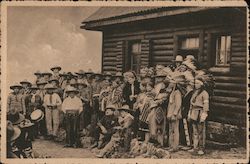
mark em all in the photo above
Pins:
pixel 98 74
pixel 25 82
pixel 15 118
pixel 118 74
pixel 89 72
pixel 37 115
pixel 54 79
pixel 81 82
pixel 71 89
pixel 178 58
pixel 41 82
pixel 16 85
pixel 38 73
pixel 26 123
pixel 56 67
pixel 34 87
pixel 13 132
pixel 107 75
pixel 126 109
pixel 49 86
pixel 47 73
pixel 80 72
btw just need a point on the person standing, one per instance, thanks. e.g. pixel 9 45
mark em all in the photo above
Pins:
pixel 56 72
pixel 72 106
pixel 197 115
pixel 15 101
pixel 174 111
pixel 52 101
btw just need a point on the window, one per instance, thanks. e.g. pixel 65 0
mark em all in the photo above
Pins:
pixel 190 43
pixel 135 57
pixel 188 46
pixel 223 50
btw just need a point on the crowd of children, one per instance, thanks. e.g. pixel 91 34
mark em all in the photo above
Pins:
pixel 166 105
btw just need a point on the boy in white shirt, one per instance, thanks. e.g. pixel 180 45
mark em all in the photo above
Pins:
pixel 52 102
pixel 72 106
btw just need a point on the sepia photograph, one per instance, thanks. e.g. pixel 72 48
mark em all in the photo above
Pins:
pixel 124 82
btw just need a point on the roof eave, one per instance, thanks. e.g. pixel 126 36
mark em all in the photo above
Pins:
pixel 93 25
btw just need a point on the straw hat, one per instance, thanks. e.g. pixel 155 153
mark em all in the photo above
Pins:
pixel 56 67
pixel 15 118
pixel 49 86
pixel 80 72
pixel 34 87
pixel 41 82
pixel 89 72
pixel 37 73
pixel 37 115
pixel 13 132
pixel 54 79
pixel 26 124
pixel 81 82
pixel 16 85
pixel 25 82
pixel 178 58
pixel 71 89
pixel 190 57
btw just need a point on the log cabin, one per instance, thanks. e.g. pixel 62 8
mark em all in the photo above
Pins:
pixel 134 37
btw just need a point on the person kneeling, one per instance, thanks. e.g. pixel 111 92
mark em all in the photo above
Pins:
pixel 72 106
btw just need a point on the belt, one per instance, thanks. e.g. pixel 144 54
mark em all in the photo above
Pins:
pixel 52 107
pixel 197 108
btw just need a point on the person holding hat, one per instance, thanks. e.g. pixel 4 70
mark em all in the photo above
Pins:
pixel 52 101
pixel 72 106
pixel 174 110
pixel 15 100
pixel 33 101
pixel 26 85
pixel 56 72
pixel 197 115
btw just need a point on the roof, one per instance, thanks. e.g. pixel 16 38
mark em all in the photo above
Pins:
pixel 111 12
pixel 111 15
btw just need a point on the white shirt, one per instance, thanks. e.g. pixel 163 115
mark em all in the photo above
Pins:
pixel 56 100
pixel 72 104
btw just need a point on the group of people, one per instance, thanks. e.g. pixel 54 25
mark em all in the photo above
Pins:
pixel 166 105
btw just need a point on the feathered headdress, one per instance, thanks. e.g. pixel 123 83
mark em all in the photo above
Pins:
pixel 207 79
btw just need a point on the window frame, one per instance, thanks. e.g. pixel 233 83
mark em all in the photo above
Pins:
pixel 216 64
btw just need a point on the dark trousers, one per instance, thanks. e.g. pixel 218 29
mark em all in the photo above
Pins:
pixel 72 127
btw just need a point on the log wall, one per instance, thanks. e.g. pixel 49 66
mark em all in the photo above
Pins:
pixel 159 46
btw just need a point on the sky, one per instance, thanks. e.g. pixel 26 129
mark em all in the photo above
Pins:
pixel 41 37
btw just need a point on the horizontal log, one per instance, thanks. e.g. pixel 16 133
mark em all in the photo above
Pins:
pixel 163 47
pixel 109 45
pixel 228 107
pixel 239 54
pixel 230 86
pixel 229 100
pixel 114 50
pixel 161 63
pixel 238 64
pixel 109 63
pixel 163 41
pixel 163 58
pixel 163 52
pixel 109 68
pixel 160 36
pixel 239 44
pixel 239 49
pixel 230 79
pixel 109 54
pixel 239 59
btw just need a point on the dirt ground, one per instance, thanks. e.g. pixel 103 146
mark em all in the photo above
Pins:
pixel 56 150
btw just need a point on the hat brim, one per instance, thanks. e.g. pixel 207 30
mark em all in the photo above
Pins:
pixel 50 74
pixel 54 80
pixel 59 68
pixel 37 73
pixel 85 85
pixel 39 118
pixel 43 83
pixel 73 91
pixel 34 88
pixel 16 86
pixel 17 133
pixel 50 88
pixel 25 82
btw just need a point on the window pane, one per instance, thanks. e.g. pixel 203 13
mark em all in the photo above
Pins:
pixel 190 43
pixel 136 48
pixel 223 50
